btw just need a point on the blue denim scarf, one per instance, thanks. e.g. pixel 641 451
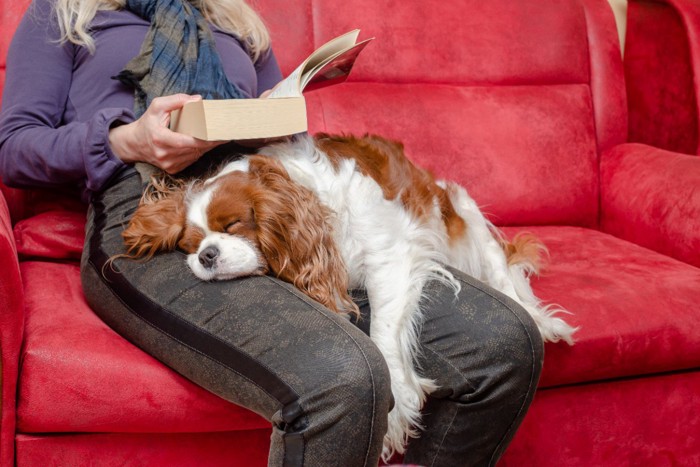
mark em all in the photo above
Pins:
pixel 178 55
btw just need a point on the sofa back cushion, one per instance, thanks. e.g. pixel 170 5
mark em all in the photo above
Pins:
pixel 512 99
pixel 504 97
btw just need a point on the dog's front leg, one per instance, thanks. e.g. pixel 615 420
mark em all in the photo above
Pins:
pixel 394 295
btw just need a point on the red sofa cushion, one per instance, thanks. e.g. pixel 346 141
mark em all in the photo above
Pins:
pixel 52 234
pixel 499 45
pixel 637 308
pixel 78 375
pixel 659 75
pixel 473 93
pixel 650 422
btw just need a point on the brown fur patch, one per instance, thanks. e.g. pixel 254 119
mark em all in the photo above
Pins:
pixel 386 163
pixel 159 220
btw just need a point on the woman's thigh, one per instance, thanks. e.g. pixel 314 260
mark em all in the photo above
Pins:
pixel 257 341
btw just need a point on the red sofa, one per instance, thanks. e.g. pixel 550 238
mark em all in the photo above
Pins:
pixel 524 102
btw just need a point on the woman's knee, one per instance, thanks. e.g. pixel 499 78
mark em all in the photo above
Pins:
pixel 346 398
pixel 479 339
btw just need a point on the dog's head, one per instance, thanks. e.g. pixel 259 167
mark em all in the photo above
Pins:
pixel 245 223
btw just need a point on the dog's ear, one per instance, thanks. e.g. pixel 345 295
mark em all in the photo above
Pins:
pixel 295 232
pixel 158 222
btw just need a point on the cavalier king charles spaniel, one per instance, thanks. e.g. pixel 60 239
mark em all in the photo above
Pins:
pixel 333 213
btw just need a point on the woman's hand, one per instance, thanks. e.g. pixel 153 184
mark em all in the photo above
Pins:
pixel 149 139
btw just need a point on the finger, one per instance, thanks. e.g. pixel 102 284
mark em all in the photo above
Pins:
pixel 166 104
pixel 173 161
pixel 167 139
pixel 207 145
pixel 179 162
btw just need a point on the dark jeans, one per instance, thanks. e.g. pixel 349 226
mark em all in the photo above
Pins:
pixel 318 378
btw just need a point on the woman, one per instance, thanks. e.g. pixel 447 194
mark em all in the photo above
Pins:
pixel 256 342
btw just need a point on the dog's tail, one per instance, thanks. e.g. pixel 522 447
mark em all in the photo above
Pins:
pixel 527 255
pixel 525 251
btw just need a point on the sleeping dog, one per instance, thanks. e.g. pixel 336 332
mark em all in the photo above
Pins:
pixel 332 213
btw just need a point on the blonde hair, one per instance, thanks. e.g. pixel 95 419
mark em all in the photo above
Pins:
pixel 233 16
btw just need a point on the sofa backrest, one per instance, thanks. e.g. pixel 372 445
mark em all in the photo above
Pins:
pixel 513 99
pixel 10 16
pixel 662 66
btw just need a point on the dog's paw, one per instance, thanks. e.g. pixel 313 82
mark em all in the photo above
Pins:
pixel 404 418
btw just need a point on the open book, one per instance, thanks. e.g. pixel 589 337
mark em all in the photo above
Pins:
pixel 283 112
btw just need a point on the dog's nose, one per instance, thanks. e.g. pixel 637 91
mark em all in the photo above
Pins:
pixel 208 255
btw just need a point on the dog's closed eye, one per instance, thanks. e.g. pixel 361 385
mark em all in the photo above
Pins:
pixel 232 227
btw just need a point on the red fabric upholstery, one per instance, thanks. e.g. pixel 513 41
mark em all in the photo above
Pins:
pixel 485 93
pixel 146 397
pixel 645 421
pixel 662 66
pixel 622 296
pixel 52 234
pixel 606 78
pixel 223 449
pixel 651 197
pixel 529 115
pixel 135 393
pixel 11 332
pixel 472 128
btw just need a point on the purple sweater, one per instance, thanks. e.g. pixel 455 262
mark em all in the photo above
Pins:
pixel 59 100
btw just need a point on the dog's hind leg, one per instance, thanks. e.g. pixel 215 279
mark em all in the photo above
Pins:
pixel 481 255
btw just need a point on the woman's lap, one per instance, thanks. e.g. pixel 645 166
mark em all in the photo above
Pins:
pixel 260 343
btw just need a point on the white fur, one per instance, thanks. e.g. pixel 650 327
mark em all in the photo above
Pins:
pixel 393 255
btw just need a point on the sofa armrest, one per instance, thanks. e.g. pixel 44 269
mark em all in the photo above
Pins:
pixel 11 332
pixel 651 197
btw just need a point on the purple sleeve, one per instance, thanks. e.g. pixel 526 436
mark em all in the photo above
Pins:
pixel 268 72
pixel 36 147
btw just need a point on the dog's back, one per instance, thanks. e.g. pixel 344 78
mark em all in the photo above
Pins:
pixel 385 162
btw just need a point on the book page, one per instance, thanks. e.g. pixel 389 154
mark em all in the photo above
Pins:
pixel 292 85
pixel 288 87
